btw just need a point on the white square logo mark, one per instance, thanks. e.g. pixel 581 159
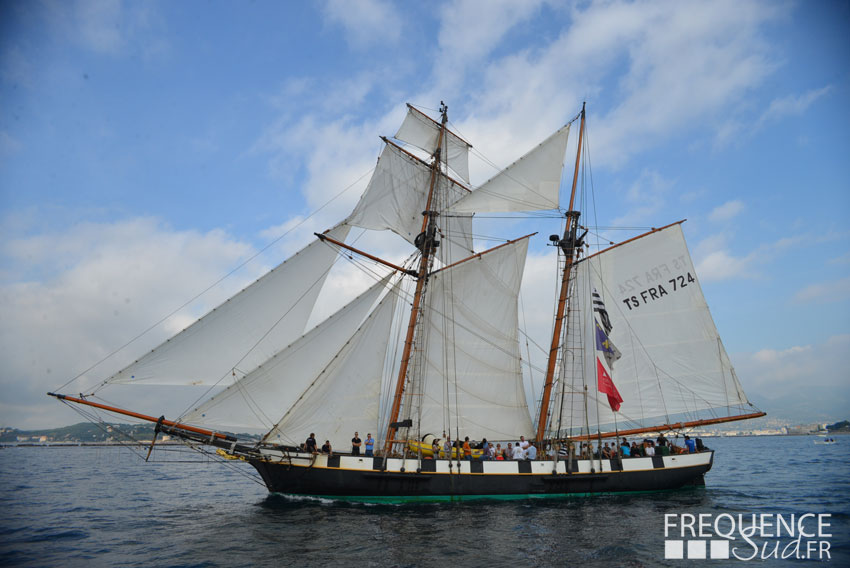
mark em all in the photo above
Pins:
pixel 720 549
pixel 674 549
pixel 696 549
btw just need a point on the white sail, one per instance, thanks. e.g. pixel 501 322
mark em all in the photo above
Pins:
pixel 531 183
pixel 423 132
pixel 245 330
pixel 344 397
pixel 397 195
pixel 259 398
pixel 672 362
pixel 472 377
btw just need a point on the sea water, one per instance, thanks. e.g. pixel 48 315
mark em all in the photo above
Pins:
pixel 106 506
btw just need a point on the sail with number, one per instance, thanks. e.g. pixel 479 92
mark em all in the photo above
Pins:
pixel 671 366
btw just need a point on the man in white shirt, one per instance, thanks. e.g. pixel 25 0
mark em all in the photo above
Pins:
pixel 531 452
pixel 519 453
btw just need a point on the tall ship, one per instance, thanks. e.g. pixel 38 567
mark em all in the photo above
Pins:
pixel 432 351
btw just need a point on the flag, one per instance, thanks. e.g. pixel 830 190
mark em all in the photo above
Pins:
pixel 606 386
pixel 609 353
pixel 599 308
pixel 604 345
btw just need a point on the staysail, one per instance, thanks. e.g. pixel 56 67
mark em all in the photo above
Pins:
pixel 471 377
pixel 344 397
pixel 672 364
pixel 258 399
pixel 245 330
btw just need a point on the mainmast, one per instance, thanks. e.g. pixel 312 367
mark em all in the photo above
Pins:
pixel 569 245
pixel 427 243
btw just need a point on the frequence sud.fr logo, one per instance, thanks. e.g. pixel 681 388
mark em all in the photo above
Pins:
pixel 747 536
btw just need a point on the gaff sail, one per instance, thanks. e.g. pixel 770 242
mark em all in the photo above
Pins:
pixel 673 365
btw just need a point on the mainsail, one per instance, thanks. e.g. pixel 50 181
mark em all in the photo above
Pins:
pixel 471 377
pixel 246 329
pixel 673 365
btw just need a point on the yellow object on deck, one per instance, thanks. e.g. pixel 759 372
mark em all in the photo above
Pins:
pixel 227 456
pixel 416 446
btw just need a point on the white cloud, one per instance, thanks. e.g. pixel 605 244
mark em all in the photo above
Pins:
pixel 99 24
pixel 720 265
pixel 109 27
pixel 776 375
pixel 715 261
pixel 834 291
pixel 8 144
pixel 843 259
pixel 97 286
pixel 470 30
pixel 771 356
pixel 646 196
pixel 792 105
pixel 365 21
pixel 726 211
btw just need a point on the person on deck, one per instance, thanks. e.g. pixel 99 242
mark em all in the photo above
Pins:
pixel 370 445
pixel 649 449
pixel 356 442
pixel 467 449
pixel 326 448
pixel 435 448
pixel 691 445
pixel 531 452
pixel 310 444
pixel 485 450
pixel 625 450
pixel 447 448
pixel 519 454
pixel 564 451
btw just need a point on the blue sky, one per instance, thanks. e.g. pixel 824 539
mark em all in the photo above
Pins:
pixel 148 148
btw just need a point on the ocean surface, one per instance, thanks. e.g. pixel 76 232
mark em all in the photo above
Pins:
pixel 104 506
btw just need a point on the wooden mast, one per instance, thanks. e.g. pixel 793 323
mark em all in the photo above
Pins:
pixel 427 236
pixel 569 233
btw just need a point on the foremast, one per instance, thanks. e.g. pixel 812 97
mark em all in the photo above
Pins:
pixel 426 241
pixel 568 245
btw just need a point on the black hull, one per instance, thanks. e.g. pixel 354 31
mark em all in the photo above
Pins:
pixel 374 484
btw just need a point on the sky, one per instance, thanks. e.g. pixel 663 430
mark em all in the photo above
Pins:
pixel 149 148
